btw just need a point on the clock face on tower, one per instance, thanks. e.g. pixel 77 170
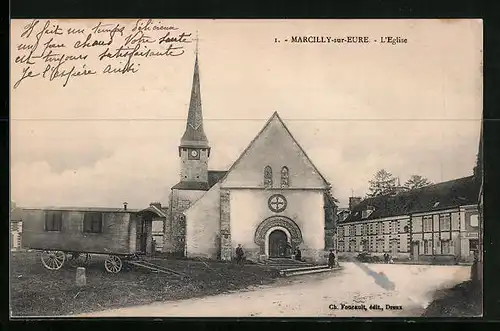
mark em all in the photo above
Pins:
pixel 194 154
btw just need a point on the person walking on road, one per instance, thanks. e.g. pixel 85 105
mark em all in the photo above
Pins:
pixel 331 259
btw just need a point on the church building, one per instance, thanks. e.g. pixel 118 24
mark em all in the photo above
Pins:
pixel 271 201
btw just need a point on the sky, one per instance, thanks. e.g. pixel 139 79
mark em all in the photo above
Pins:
pixel 411 108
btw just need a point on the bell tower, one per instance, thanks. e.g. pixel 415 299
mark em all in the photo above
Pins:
pixel 194 150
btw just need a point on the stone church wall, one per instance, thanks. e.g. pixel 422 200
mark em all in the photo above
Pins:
pixel 249 207
pixel 175 230
pixel 203 226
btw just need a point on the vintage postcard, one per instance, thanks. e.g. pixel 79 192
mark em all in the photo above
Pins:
pixel 246 168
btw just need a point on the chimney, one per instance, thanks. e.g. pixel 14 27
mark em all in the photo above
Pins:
pixel 353 201
pixel 156 204
pixel 125 205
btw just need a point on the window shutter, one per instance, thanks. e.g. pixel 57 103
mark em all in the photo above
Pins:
pixel 97 222
pixel 86 222
pixel 58 221
pixel 51 221
pixel 47 218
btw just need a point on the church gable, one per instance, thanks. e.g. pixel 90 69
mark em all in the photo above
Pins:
pixel 272 157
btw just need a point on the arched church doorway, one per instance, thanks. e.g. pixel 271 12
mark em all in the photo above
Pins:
pixel 274 233
pixel 277 243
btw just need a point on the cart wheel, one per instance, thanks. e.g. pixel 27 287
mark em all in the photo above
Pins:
pixel 53 260
pixel 113 264
pixel 78 259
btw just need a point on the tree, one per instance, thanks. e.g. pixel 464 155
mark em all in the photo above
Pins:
pixel 382 183
pixel 416 181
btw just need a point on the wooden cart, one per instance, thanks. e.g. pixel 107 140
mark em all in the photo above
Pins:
pixel 72 235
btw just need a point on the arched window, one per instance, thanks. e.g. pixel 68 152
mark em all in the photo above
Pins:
pixel 285 181
pixel 268 176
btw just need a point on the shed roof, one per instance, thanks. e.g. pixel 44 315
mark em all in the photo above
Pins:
pixel 86 209
pixel 161 212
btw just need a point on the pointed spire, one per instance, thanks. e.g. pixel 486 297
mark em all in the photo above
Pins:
pixel 194 136
pixel 196 52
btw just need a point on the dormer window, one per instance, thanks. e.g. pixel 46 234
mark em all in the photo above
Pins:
pixel 367 212
pixel 268 177
pixel 436 204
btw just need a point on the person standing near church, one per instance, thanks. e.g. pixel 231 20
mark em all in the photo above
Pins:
pixel 239 254
pixel 298 254
pixel 288 250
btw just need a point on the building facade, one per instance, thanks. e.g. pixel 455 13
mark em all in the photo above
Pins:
pixel 271 201
pixel 157 215
pixel 479 175
pixel 16 229
pixel 437 222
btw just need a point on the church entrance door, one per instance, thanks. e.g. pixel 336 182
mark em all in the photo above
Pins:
pixel 277 244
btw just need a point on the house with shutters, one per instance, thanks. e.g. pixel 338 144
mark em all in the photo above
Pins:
pixel 16 228
pixel 438 222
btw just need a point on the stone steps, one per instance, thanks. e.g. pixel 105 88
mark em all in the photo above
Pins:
pixel 285 263
pixel 306 270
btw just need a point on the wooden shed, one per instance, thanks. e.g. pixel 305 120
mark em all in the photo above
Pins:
pixel 89 230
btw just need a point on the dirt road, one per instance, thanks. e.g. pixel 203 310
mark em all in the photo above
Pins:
pixel 350 292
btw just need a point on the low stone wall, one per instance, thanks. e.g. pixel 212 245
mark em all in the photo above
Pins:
pixel 308 255
pixel 315 256
pixel 351 255
pixel 438 259
pixel 252 254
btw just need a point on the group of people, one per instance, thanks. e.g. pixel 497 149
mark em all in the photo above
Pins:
pixel 388 258
pixel 240 256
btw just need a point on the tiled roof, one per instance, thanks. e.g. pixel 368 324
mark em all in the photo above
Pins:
pixel 87 209
pixel 214 176
pixel 450 194
pixel 154 209
pixel 195 186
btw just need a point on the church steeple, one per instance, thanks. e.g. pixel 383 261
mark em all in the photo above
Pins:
pixel 195 136
pixel 194 151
